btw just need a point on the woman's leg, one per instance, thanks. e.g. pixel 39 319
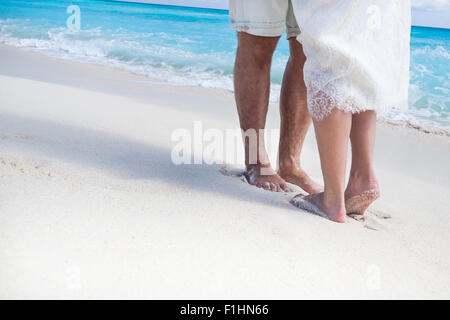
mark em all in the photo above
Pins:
pixel 332 134
pixel 362 175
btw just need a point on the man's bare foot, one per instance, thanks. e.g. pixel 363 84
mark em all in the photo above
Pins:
pixel 315 203
pixel 265 177
pixel 361 192
pixel 300 178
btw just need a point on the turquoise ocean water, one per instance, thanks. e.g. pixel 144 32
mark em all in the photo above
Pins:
pixel 191 46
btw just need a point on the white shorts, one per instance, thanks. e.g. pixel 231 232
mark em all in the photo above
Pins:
pixel 266 18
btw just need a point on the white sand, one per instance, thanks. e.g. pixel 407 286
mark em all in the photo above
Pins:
pixel 92 207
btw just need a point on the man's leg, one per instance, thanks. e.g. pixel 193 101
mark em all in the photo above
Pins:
pixel 295 120
pixel 252 90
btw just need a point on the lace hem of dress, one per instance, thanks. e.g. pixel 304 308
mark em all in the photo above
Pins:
pixel 321 104
pixel 322 101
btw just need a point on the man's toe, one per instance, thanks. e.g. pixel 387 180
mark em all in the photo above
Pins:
pixel 284 187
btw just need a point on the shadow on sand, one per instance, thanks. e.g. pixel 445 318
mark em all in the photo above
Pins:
pixel 126 158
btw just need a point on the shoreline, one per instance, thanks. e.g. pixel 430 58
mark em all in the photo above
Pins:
pixel 92 207
pixel 381 119
pixel 412 126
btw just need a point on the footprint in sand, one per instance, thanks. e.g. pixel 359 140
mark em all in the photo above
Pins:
pixel 26 166
pixel 233 172
pixel 375 218
pixel 381 210
pixel 15 136
pixel 369 221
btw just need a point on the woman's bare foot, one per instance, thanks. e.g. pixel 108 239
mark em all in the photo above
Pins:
pixel 358 204
pixel 334 210
pixel 265 177
pixel 361 192
pixel 300 178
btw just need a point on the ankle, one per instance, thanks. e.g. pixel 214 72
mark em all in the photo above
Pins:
pixel 361 182
pixel 334 207
pixel 289 166
pixel 333 199
pixel 262 161
pixel 260 169
pixel 363 176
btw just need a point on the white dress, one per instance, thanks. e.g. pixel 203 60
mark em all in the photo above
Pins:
pixel 357 54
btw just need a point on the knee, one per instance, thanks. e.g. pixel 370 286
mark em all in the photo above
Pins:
pixel 259 54
pixel 257 49
pixel 262 58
